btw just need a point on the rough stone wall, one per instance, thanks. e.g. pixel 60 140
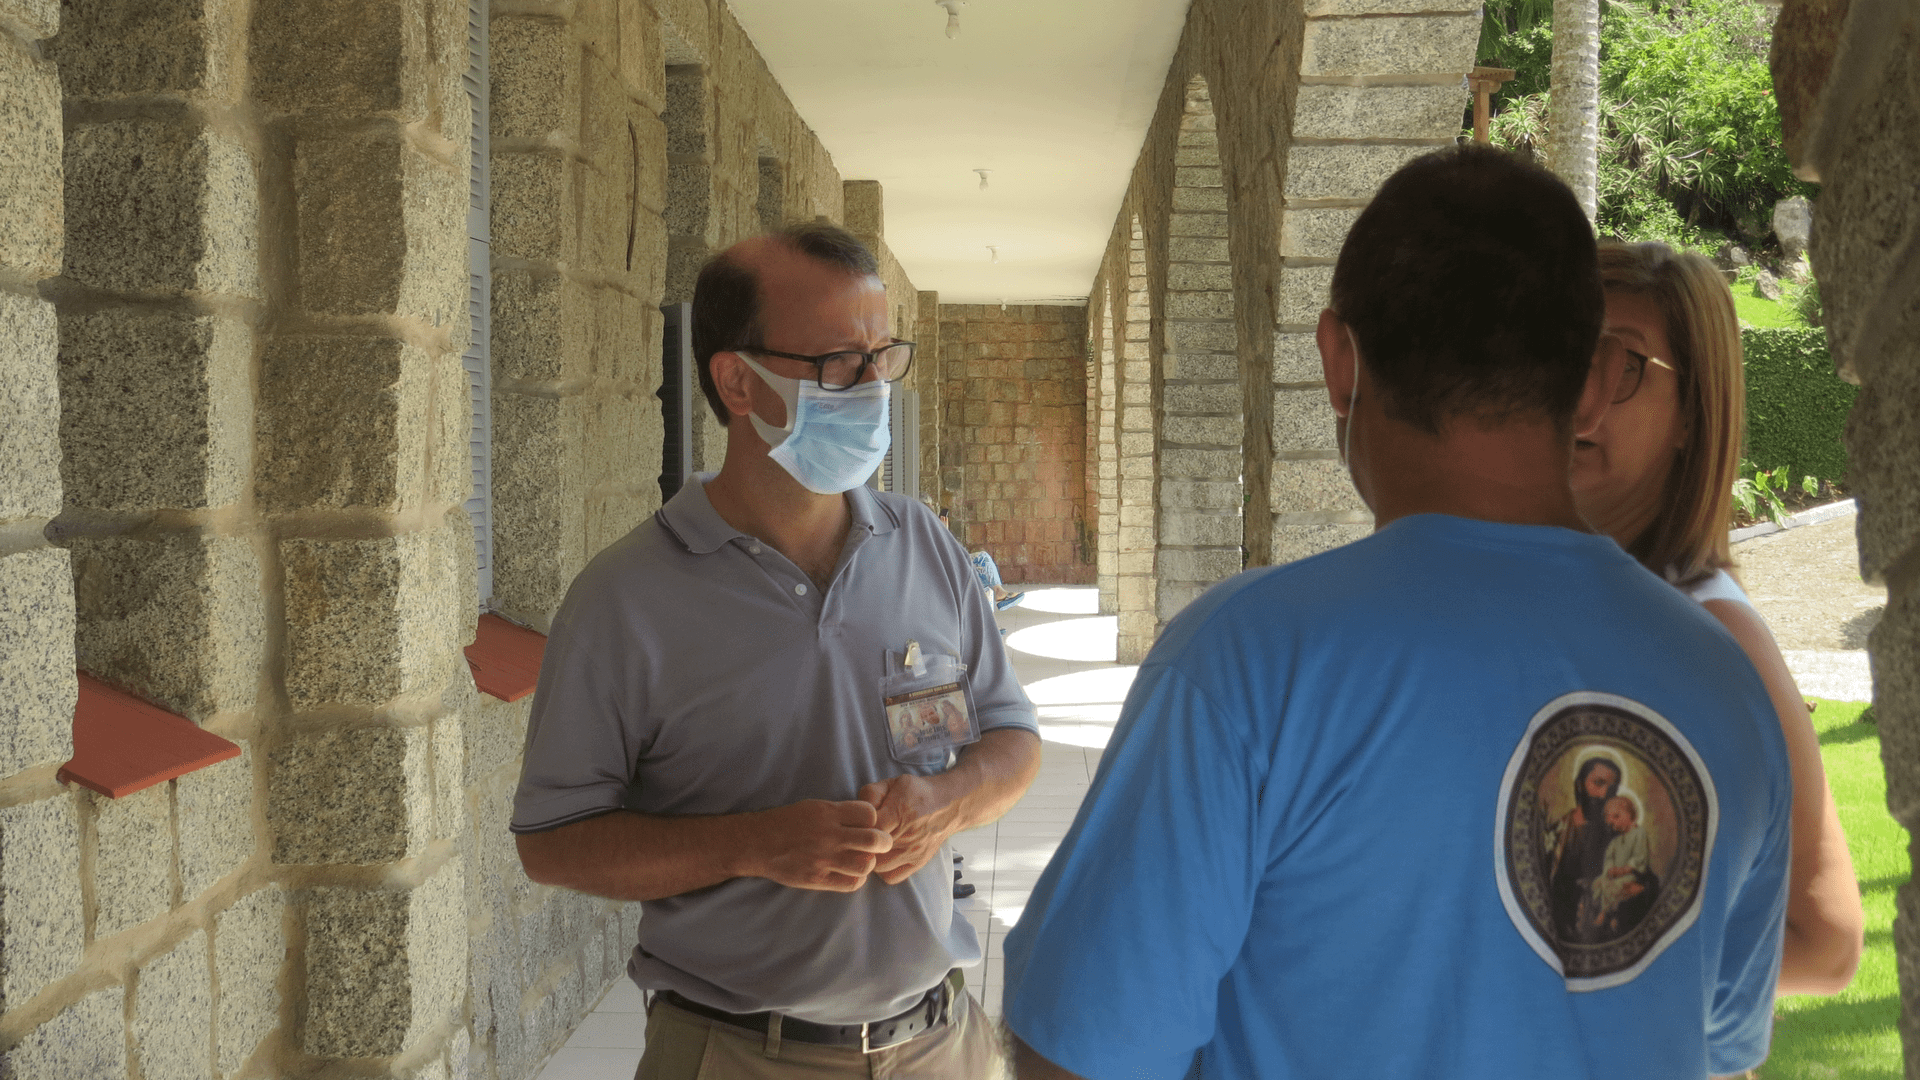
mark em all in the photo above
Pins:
pixel 629 142
pixel 1312 105
pixel 1015 401
pixel 42 925
pixel 233 285
pixel 261 440
pixel 1848 79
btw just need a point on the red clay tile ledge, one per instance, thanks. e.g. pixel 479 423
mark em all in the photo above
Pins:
pixel 122 744
pixel 505 658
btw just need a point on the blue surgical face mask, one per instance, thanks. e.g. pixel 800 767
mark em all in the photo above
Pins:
pixel 834 439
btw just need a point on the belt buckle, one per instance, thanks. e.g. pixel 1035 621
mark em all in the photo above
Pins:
pixel 865 1048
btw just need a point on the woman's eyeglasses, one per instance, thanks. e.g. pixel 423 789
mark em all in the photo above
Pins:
pixel 1635 371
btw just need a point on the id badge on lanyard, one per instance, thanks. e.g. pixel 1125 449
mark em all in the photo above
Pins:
pixel 929 706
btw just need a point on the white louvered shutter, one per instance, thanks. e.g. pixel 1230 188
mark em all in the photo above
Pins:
pixel 478 360
pixel 679 402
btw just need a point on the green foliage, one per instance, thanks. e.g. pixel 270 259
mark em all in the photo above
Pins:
pixel 1796 406
pixel 1806 302
pixel 1690 133
pixel 1518 34
pixel 1758 491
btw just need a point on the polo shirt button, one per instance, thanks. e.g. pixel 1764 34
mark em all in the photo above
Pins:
pixel 799 590
pixel 753 549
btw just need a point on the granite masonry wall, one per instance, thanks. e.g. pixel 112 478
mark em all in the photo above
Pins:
pixel 1847 76
pixel 1014 435
pixel 1275 124
pixel 234 449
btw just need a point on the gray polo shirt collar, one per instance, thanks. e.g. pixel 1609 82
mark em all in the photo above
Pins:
pixel 691 519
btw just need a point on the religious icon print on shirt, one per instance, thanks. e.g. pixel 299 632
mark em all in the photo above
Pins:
pixel 1605 827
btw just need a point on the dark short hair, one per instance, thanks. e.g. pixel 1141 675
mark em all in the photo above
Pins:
pixel 726 296
pixel 1473 289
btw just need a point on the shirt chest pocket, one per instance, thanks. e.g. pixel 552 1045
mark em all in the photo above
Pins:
pixel 927 701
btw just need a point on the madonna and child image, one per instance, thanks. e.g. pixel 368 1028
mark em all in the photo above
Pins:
pixel 1606 827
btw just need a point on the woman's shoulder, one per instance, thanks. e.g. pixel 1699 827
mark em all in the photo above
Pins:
pixel 1718 585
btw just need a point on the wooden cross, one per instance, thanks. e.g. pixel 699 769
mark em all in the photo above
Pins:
pixel 1485 80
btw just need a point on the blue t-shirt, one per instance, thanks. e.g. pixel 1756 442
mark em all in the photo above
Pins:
pixel 1353 817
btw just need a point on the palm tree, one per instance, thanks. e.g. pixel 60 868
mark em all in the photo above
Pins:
pixel 1573 115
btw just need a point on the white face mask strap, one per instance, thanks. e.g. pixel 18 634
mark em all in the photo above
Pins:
pixel 789 391
pixel 1353 399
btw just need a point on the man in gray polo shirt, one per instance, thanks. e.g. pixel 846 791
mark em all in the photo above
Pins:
pixel 753 711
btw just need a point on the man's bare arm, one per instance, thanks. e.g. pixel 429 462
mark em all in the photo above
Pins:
pixel 922 812
pixel 1029 1065
pixel 812 844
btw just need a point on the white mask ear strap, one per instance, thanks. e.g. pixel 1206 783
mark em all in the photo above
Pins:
pixel 1353 398
pixel 789 391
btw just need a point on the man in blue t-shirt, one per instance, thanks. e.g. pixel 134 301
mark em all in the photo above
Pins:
pixel 1474 797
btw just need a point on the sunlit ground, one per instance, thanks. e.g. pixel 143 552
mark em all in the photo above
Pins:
pixel 1853 1035
pixel 1079 706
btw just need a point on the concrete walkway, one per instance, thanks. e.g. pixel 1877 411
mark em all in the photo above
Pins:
pixel 1806 583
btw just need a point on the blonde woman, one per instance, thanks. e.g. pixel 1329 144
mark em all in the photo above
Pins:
pixel 1657 476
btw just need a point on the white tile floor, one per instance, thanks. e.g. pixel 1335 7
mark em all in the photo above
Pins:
pixel 1063 652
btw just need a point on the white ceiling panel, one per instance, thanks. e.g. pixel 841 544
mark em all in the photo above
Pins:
pixel 1053 96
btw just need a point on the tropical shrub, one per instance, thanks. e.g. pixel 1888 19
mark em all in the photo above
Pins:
pixel 1690 133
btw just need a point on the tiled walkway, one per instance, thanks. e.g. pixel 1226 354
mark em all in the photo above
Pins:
pixel 1063 652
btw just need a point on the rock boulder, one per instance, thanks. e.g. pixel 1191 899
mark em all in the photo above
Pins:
pixel 1793 224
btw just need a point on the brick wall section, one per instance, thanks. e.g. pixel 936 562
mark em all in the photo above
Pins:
pixel 1015 407
pixel 1849 125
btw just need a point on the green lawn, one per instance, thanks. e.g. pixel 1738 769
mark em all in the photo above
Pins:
pixel 1853 1035
pixel 1759 311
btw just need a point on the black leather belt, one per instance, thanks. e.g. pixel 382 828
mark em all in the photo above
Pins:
pixel 934 1009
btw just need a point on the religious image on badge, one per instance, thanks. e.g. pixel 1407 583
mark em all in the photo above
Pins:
pixel 1609 820
pixel 929 721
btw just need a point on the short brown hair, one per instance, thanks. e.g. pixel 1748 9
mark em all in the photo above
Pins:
pixel 1688 540
pixel 726 296
pixel 1470 287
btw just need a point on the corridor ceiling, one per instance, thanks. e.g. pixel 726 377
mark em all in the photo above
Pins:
pixel 1052 96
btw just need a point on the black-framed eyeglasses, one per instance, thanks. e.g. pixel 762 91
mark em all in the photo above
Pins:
pixel 844 370
pixel 1634 373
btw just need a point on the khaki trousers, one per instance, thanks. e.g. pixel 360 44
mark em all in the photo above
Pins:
pixel 685 1046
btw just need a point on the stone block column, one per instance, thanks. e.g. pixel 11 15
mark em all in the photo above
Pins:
pixel 1103 459
pixel 931 382
pixel 581 190
pixel 1379 84
pixel 1137 427
pixel 1848 82
pixel 362 464
pixel 1202 426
